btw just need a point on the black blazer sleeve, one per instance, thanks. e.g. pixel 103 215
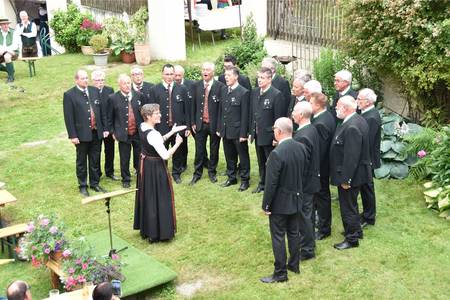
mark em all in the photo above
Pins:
pixel 352 150
pixel 244 115
pixel 68 115
pixel 273 171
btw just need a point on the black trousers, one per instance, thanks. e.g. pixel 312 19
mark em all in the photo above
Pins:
pixel 306 226
pixel 108 144
pixel 177 158
pixel 125 154
pixel 322 202
pixel 88 152
pixel 368 203
pixel 262 154
pixel 184 151
pixel 234 149
pixel 348 203
pixel 200 151
pixel 281 226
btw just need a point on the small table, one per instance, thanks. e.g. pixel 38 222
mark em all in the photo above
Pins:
pixel 5 198
pixel 30 61
pixel 75 295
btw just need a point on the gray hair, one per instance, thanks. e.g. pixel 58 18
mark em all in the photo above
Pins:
pixel 98 74
pixel 78 72
pixel 269 61
pixel 208 65
pixel 344 75
pixel 368 94
pixel 149 109
pixel 23 13
pixel 305 108
pixel 313 86
pixel 348 101
pixel 136 70
pixel 299 80
pixel 123 77
pixel 284 124
pixel 302 75
pixel 178 68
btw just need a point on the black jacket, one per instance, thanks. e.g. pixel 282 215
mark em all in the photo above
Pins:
pixel 242 79
pixel 106 105
pixel 283 86
pixel 119 113
pixel 146 87
pixel 291 108
pixel 349 153
pixel 189 84
pixel 77 114
pixel 373 119
pixel 309 137
pixel 180 113
pixel 325 125
pixel 283 188
pixel 216 93
pixel 265 109
pixel 336 97
pixel 234 115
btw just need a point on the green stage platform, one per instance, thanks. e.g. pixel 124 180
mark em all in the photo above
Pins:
pixel 141 271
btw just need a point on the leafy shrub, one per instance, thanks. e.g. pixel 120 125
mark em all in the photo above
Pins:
pixel 121 35
pixel 87 29
pixel 407 39
pixel 438 198
pixel 395 162
pixel 250 50
pixel 66 25
pixel 421 145
pixel 440 162
pixel 193 72
pixel 98 42
pixel 138 22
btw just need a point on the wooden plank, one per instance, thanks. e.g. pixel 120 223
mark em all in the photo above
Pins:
pixel 6 197
pixel 55 267
pixel 106 195
pixel 6 261
pixel 13 230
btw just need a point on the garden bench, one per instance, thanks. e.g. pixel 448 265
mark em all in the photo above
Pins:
pixel 55 272
pixel 31 66
pixel 12 232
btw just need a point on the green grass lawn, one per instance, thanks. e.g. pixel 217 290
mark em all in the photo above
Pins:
pixel 223 238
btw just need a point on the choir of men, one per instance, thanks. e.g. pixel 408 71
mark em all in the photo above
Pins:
pixel 293 173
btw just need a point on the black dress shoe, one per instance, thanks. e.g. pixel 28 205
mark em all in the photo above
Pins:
pixel 98 189
pixel 213 178
pixel 244 186
pixel 113 177
pixel 194 180
pixel 258 189
pixel 273 279
pixel 294 270
pixel 360 236
pixel 229 182
pixel 126 185
pixel 346 245
pixel 177 180
pixel 321 236
pixel 304 256
pixel 84 191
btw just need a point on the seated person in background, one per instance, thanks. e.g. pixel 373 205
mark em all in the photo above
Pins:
pixel 18 290
pixel 27 31
pixel 104 291
pixel 8 48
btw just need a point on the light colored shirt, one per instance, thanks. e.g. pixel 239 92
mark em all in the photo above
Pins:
pixel 14 45
pixel 319 113
pixel 303 125
pixel 344 91
pixel 265 90
pixel 285 139
pixel 155 139
pixel 368 108
pixel 235 85
pixel 33 33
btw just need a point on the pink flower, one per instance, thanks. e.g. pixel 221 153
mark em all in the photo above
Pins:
pixel 30 227
pixel 66 253
pixel 78 261
pixel 84 266
pixel 71 270
pixel 47 250
pixel 114 257
pixel 44 222
pixel 421 154
pixel 33 248
pixel 53 229
pixel 81 279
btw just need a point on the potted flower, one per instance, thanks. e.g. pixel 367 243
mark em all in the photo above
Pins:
pixel 82 267
pixel 88 28
pixel 99 43
pixel 122 37
pixel 138 22
pixel 44 237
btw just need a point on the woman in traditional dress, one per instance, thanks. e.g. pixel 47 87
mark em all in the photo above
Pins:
pixel 154 213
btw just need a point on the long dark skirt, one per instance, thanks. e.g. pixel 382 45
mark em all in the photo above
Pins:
pixel 154 212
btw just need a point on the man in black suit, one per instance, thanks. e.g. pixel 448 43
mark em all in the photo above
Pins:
pixel 173 103
pixel 124 119
pixel 297 96
pixel 342 83
pixel 189 84
pixel 325 124
pixel 266 106
pixel 366 103
pixel 283 199
pixel 139 85
pixel 233 128
pixel 204 118
pixel 279 83
pixel 98 77
pixel 307 135
pixel 350 167
pixel 84 123
pixel 228 62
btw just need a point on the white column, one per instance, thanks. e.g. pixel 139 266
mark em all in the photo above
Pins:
pixel 166 29
pixel 52 7
pixel 258 8
pixel 6 11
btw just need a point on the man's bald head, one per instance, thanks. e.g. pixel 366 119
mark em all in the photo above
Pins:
pixel 284 125
pixel 18 290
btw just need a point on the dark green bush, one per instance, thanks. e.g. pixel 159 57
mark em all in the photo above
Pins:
pixel 66 25
pixel 193 72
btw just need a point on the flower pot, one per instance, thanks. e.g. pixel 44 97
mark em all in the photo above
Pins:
pixel 100 59
pixel 87 50
pixel 56 256
pixel 127 58
pixel 142 52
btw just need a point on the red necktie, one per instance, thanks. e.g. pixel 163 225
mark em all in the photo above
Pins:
pixel 205 108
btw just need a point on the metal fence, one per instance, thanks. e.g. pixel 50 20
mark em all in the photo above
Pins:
pixel 307 24
pixel 118 6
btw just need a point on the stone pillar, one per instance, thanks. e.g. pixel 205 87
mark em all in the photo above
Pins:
pixel 52 7
pixel 166 30
pixel 258 8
